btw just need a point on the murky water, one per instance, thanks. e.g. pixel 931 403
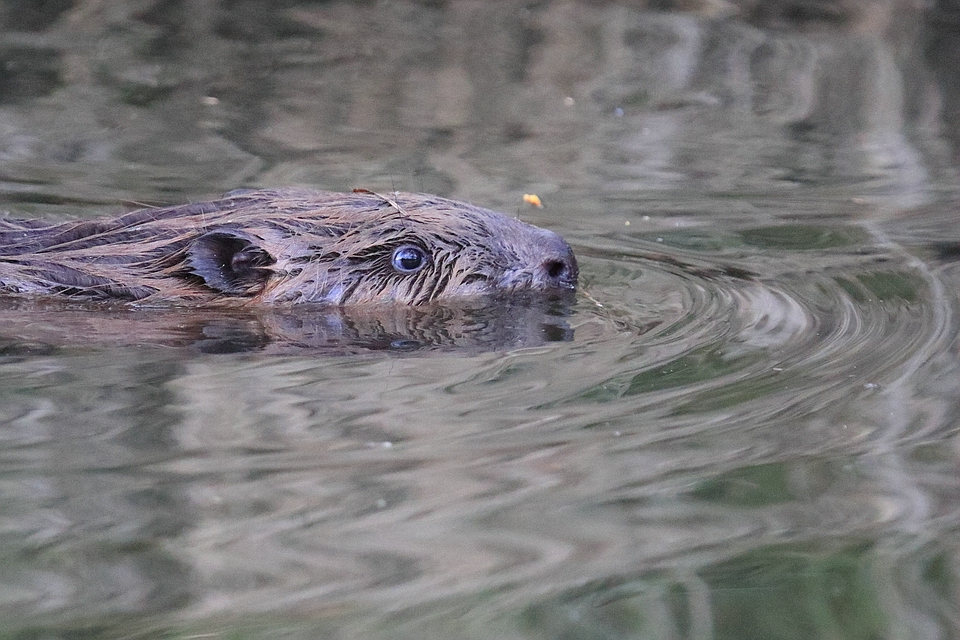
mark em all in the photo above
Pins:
pixel 745 426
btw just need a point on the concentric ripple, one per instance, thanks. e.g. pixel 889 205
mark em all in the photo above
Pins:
pixel 759 333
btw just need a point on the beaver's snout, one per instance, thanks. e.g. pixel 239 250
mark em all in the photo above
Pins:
pixel 553 263
pixel 558 270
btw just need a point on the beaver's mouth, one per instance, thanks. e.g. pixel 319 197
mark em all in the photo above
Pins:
pixel 545 278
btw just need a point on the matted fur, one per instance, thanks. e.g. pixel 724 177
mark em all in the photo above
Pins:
pixel 285 246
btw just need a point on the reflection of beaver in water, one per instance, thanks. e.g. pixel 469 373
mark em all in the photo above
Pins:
pixel 288 246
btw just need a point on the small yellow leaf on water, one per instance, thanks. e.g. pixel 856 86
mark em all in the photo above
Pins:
pixel 532 199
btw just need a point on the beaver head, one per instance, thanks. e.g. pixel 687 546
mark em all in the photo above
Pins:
pixel 290 246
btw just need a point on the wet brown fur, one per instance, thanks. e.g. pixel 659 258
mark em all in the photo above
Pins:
pixel 285 246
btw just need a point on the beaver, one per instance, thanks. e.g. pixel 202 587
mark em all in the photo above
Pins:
pixel 287 246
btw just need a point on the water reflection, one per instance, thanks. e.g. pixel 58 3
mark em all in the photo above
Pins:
pixel 166 103
pixel 32 326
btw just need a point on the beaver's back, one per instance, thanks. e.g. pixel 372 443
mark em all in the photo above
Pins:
pixel 287 246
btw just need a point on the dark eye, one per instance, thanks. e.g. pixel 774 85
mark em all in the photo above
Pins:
pixel 408 259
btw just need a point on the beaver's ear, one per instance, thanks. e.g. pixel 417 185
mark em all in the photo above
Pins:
pixel 230 261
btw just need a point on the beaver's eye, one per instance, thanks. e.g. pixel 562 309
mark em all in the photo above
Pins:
pixel 408 259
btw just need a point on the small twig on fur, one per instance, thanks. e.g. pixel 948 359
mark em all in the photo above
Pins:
pixel 390 201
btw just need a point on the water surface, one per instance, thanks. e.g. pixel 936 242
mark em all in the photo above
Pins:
pixel 745 426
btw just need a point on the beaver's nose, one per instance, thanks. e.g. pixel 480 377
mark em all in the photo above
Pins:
pixel 558 266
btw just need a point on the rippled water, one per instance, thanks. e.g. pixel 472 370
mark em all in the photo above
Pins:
pixel 745 425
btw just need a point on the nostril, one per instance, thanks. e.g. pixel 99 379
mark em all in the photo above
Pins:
pixel 553 265
pixel 554 268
